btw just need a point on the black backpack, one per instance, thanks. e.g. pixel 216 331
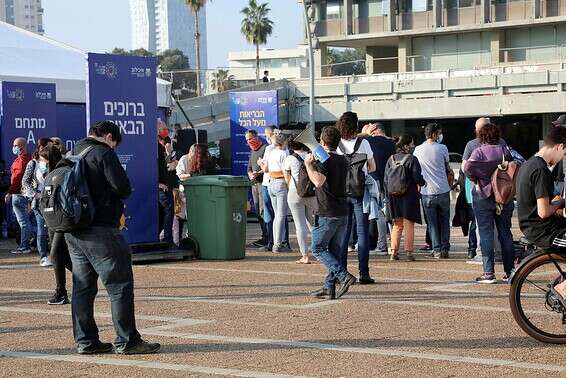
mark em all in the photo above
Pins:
pixel 355 177
pixel 396 177
pixel 304 185
pixel 65 202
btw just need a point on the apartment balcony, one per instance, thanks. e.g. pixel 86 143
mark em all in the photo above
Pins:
pixel 415 20
pixel 329 28
pixel 512 10
pixel 369 25
pixel 463 15
pixel 40 10
pixel 553 8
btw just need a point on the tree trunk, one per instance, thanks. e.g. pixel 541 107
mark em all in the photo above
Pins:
pixel 197 49
pixel 257 63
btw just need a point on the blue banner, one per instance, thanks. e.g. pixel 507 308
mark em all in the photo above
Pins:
pixel 27 110
pixel 122 89
pixel 249 110
pixel 71 119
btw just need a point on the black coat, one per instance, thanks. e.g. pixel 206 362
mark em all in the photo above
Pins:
pixel 408 205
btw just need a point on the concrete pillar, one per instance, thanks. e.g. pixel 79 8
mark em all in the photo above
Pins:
pixel 497 43
pixel 392 16
pixel 348 17
pixel 321 59
pixel 404 51
pixel 485 11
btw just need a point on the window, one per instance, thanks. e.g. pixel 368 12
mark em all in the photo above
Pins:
pixel 332 9
pixel 466 3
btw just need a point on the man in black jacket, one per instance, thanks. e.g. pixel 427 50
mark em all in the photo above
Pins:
pixel 101 250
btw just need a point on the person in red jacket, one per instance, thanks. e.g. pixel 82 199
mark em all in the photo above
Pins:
pixel 20 204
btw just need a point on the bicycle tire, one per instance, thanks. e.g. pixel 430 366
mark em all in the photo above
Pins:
pixel 514 298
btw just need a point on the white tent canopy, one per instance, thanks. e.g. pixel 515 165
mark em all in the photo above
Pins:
pixel 28 57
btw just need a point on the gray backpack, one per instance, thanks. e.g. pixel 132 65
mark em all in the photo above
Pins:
pixel 397 178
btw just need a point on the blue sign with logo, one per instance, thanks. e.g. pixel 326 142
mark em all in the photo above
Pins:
pixel 249 110
pixel 27 110
pixel 122 89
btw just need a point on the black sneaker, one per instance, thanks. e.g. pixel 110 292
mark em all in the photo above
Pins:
pixel 444 255
pixel 97 347
pixel 425 248
pixel 324 292
pixel 259 243
pixel 366 280
pixel 141 347
pixel 345 285
pixel 486 278
pixel 59 299
pixel 471 254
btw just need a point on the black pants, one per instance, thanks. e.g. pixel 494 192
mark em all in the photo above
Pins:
pixel 60 258
pixel 102 252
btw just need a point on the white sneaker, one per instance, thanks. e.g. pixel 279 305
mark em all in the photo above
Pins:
pixel 45 262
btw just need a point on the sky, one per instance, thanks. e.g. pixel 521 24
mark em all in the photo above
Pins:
pixel 101 25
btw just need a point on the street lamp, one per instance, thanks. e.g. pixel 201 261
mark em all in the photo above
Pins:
pixel 310 23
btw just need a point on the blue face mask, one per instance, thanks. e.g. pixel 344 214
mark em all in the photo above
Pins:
pixel 43 168
pixel 16 150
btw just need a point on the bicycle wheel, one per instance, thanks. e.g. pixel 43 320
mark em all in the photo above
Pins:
pixel 534 308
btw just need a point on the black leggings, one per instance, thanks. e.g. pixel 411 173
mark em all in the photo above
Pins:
pixel 60 258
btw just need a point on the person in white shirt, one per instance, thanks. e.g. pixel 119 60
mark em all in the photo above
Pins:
pixel 356 148
pixel 274 167
pixel 297 204
pixel 433 158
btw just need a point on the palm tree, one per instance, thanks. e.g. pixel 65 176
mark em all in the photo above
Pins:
pixel 256 27
pixel 221 81
pixel 195 6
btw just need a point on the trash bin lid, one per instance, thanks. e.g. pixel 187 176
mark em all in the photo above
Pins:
pixel 219 180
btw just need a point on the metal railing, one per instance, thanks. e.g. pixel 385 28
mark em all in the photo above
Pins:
pixel 534 54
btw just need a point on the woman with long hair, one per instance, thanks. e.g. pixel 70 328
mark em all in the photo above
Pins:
pixel 59 255
pixel 403 208
pixel 196 162
pixel 483 161
pixel 32 185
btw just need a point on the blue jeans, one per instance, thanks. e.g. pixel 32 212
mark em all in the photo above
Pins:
pixel 486 216
pixel 362 231
pixel 437 209
pixel 327 237
pixel 166 202
pixel 41 235
pixel 20 204
pixel 102 252
pixel 269 216
pixel 381 231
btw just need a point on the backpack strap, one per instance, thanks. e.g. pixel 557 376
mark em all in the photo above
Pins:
pixel 357 145
pixel 84 152
pixel 298 157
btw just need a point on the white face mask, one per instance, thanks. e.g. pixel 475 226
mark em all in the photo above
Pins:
pixel 440 138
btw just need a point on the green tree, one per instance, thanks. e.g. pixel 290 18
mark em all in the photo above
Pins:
pixel 222 81
pixel 353 62
pixel 172 59
pixel 196 6
pixel 256 27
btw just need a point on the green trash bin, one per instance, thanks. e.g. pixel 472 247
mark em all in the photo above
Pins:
pixel 216 213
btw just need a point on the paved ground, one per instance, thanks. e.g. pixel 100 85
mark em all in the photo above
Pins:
pixel 253 317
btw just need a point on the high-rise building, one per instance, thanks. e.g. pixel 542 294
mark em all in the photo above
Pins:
pixel 158 25
pixel 26 14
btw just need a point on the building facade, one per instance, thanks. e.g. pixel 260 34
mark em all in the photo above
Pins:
pixel 159 25
pixel 281 64
pixel 434 35
pixel 25 14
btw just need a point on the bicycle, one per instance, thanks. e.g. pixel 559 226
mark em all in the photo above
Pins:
pixel 536 309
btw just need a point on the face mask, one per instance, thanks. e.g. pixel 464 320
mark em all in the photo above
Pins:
pixel 43 168
pixel 254 144
pixel 16 150
pixel 440 138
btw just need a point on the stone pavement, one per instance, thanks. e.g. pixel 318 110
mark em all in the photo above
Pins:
pixel 253 318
